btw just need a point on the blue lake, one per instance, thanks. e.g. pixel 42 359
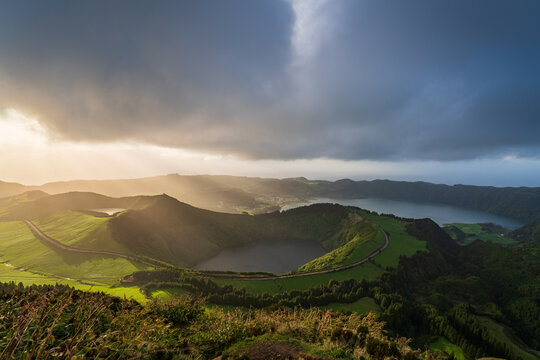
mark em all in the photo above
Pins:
pixel 441 214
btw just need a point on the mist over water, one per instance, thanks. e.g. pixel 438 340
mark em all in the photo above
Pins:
pixel 277 257
pixel 441 214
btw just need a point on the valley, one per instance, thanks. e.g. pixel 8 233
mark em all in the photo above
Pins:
pixel 327 253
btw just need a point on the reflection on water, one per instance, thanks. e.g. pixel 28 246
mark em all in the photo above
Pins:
pixel 108 211
pixel 441 214
pixel 277 257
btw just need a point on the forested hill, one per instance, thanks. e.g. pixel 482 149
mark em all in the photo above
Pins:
pixel 529 234
pixel 521 203
pixel 234 193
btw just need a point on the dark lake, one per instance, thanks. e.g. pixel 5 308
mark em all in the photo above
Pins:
pixel 441 214
pixel 277 257
pixel 282 256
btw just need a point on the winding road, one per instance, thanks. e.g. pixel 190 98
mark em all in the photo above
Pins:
pixel 288 276
pixel 49 240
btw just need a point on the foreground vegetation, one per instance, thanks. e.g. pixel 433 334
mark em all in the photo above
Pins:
pixel 61 323
pixel 448 292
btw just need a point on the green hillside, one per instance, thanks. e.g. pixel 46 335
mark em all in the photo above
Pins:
pixel 466 233
pixel 80 230
pixel 163 228
pixel 20 249
pixel 40 206
pixel 183 235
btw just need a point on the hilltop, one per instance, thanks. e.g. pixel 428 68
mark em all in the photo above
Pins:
pixel 166 229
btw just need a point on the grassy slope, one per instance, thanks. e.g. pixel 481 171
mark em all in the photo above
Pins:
pixel 8 274
pixel 442 344
pixel 8 204
pixel 475 231
pixel 167 293
pixel 31 261
pixel 365 271
pixel 361 306
pixel 498 331
pixel 364 239
pixel 81 230
pixel 401 244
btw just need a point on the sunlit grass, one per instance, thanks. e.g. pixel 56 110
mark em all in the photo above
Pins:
pixel 442 344
pixel 361 306
pixel 20 249
pixel 475 231
pixel 8 274
pixel 81 230
pixel 401 243
pixel 367 271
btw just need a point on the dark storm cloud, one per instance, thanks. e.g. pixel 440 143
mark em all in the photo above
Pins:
pixel 386 79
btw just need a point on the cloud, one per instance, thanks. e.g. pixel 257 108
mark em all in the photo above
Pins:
pixel 271 79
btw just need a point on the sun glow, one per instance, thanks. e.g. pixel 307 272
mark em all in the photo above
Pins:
pixel 17 129
pixel 31 154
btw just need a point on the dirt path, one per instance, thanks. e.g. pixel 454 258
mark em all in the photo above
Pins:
pixel 49 240
pixel 288 276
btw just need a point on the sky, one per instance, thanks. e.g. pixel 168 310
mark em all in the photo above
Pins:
pixel 441 91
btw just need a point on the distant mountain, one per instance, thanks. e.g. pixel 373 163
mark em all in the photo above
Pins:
pixel 34 204
pixel 236 194
pixel 10 189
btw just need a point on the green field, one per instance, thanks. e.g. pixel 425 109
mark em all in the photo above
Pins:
pixel 166 293
pixel 81 230
pixel 365 271
pixel 361 306
pixel 515 345
pixel 364 240
pixel 475 231
pixel 26 259
pixel 442 344
pixel 8 274
pixel 400 242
